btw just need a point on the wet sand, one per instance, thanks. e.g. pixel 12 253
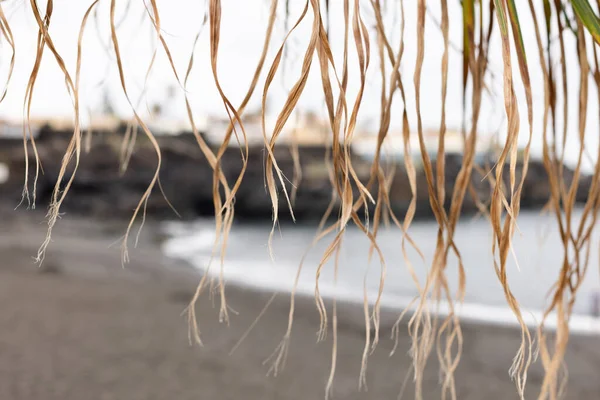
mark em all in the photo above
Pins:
pixel 84 328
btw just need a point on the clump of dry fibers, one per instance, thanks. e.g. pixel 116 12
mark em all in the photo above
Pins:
pixel 553 21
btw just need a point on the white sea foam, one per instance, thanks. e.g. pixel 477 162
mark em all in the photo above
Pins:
pixel 195 247
pixel 4 173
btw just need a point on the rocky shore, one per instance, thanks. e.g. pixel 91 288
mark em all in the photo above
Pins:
pixel 186 177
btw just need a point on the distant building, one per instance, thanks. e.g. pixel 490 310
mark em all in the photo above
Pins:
pixel 365 144
pixel 310 130
pixel 305 130
pixel 217 127
pixel 12 130
pixel 158 126
pixel 163 126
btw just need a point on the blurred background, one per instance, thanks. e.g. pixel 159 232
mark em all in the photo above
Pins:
pixel 83 325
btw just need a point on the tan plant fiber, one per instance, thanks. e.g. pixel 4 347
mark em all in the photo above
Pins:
pixel 482 20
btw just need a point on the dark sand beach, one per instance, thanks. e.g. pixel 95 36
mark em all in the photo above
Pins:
pixel 82 327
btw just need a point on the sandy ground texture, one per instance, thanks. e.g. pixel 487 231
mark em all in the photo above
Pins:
pixel 84 328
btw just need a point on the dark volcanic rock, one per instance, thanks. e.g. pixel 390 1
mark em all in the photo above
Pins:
pixel 99 188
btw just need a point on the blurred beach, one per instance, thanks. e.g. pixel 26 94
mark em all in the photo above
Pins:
pixel 83 327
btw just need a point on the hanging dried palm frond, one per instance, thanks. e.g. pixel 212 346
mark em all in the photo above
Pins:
pixel 373 43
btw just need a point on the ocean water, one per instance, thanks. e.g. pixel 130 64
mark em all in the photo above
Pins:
pixel 531 272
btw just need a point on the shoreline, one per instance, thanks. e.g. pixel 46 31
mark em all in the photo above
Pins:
pixel 468 312
pixel 152 232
